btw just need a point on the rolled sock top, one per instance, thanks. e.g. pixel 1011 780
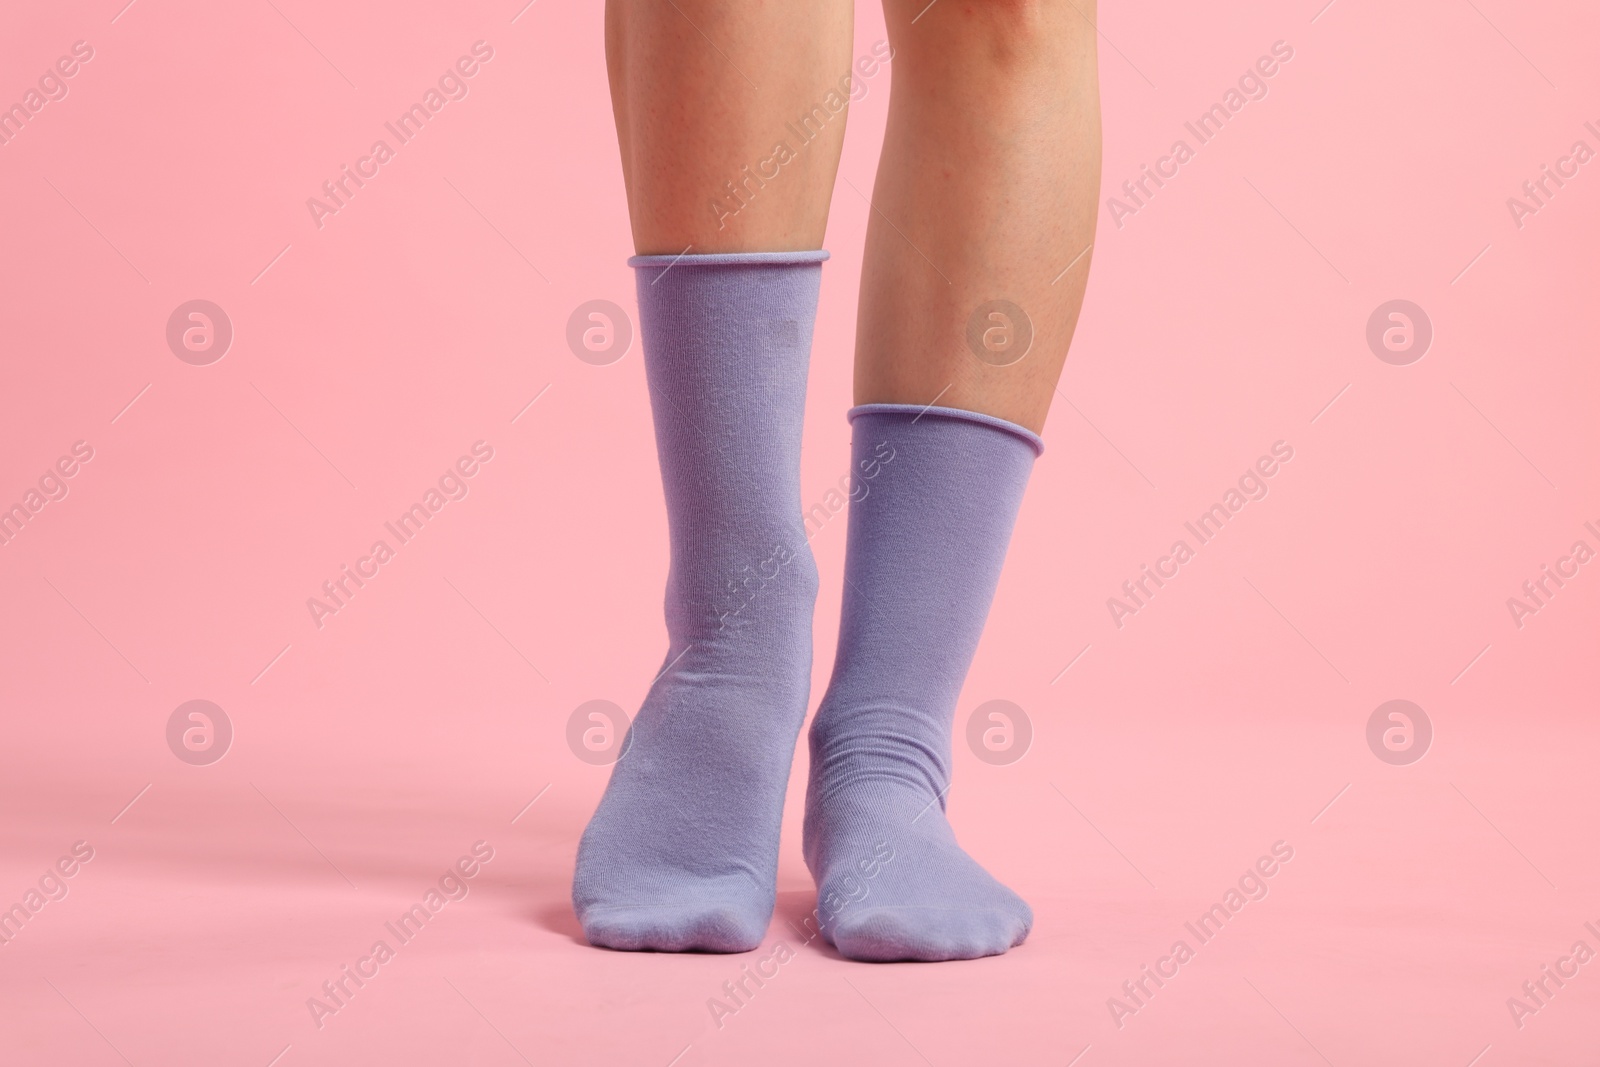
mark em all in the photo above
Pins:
pixel 725 259
pixel 918 411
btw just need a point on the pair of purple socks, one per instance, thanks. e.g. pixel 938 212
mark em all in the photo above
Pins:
pixel 682 853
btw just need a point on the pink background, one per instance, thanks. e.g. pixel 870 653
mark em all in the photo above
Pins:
pixel 370 754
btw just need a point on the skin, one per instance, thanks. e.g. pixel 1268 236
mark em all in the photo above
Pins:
pixel 986 189
pixel 702 88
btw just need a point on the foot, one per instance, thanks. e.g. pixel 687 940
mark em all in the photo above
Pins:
pixel 928 534
pixel 893 884
pixel 682 853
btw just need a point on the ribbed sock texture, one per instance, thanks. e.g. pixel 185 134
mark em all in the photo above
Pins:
pixel 937 495
pixel 682 852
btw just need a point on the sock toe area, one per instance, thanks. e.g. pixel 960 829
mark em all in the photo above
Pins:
pixel 928 934
pixel 689 926
pixel 920 897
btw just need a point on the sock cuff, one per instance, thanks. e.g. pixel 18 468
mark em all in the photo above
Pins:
pixel 730 259
pixel 1034 441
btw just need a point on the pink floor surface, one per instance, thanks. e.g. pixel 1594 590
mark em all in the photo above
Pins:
pixel 369 749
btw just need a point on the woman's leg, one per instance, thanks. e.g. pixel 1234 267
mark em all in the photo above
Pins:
pixel 704 91
pixel 987 190
pixel 730 118
pixel 985 198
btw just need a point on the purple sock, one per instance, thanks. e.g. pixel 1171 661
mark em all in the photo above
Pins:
pixel 682 853
pixel 926 541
